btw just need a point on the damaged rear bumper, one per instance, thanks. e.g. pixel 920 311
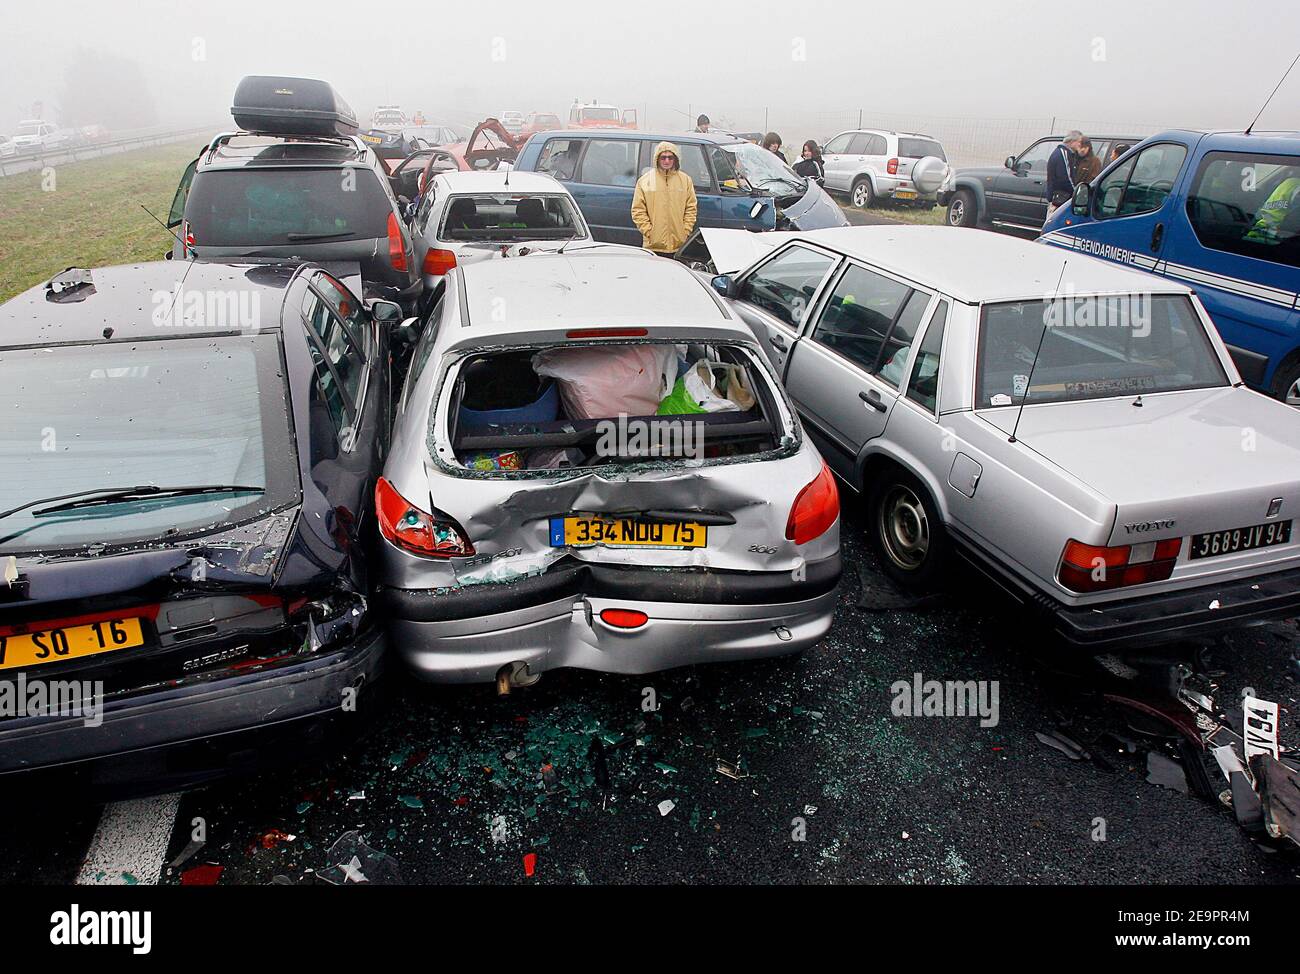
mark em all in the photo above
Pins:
pixel 177 736
pixel 1186 613
pixel 553 620
pixel 1160 617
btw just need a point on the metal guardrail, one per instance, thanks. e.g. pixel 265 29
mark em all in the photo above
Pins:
pixel 77 152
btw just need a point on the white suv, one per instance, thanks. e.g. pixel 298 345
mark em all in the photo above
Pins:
pixel 871 164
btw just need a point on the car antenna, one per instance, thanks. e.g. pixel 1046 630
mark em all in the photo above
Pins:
pixel 1270 97
pixel 172 233
pixel 1029 379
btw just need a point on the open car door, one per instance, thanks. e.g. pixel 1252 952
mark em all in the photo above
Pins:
pixel 408 176
pixel 491 144
pixel 629 118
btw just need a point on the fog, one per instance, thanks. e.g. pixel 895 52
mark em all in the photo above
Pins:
pixel 812 65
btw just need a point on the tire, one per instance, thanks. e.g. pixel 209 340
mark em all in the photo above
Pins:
pixel 1286 383
pixel 862 194
pixel 962 211
pixel 907 530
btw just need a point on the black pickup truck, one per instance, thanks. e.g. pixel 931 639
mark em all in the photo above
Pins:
pixel 1011 197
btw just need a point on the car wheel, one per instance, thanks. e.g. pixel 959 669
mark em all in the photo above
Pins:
pixel 1286 385
pixel 907 530
pixel 961 210
pixel 863 196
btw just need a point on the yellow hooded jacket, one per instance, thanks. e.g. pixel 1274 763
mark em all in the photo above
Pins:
pixel 663 205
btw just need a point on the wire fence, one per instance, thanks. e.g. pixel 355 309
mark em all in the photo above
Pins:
pixel 77 149
pixel 967 140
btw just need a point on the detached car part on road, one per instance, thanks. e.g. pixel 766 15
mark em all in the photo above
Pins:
pixel 526 527
pixel 1075 430
pixel 186 496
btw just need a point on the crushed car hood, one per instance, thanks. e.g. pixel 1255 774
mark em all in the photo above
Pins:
pixel 815 210
pixel 735 250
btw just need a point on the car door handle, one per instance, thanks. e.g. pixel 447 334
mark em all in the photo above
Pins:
pixel 779 343
pixel 1157 235
pixel 873 400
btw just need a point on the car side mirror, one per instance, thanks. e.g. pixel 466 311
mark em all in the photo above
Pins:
pixel 756 209
pixel 385 311
pixel 1082 204
pixel 1011 163
pixel 724 285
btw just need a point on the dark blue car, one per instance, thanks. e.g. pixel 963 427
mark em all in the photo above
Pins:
pixel 738 184
pixel 1221 212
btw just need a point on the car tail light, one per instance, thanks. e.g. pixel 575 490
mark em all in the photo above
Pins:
pixel 396 245
pixel 405 525
pixel 1092 568
pixel 606 333
pixel 815 509
pixel 892 167
pixel 439 261
pixel 187 238
pixel 624 618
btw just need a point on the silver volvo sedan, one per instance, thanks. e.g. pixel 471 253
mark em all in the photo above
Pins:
pixel 593 465
pixel 1074 430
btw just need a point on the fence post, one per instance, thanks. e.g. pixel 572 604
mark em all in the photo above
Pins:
pixel 859 118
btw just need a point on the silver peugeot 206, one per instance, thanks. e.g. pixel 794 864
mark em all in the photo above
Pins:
pixel 1074 430
pixel 594 466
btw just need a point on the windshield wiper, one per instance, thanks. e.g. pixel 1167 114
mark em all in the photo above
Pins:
pixel 99 498
pixel 303 235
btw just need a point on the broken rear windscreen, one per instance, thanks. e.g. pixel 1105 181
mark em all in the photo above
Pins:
pixel 507 216
pixel 584 405
pixel 277 207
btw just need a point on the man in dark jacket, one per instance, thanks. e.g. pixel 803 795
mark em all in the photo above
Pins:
pixel 1060 170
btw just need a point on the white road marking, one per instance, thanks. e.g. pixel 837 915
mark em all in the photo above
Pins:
pixel 131 841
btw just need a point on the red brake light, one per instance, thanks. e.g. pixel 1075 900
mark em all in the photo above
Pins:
pixel 396 245
pixel 624 618
pixel 1092 568
pixel 439 261
pixel 414 530
pixel 892 167
pixel 606 333
pixel 815 508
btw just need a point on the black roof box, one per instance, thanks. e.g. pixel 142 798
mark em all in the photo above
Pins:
pixel 271 105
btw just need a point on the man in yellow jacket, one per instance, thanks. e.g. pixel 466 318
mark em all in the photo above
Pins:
pixel 663 205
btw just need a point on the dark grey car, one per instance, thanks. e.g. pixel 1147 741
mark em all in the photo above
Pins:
pixel 325 200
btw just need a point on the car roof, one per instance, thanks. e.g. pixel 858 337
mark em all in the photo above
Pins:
pixel 487 181
pixel 1282 141
pixel 723 138
pixel 273 150
pixel 977 266
pixel 600 286
pixel 901 135
pixel 127 296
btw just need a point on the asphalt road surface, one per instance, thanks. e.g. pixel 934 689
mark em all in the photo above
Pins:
pixel 452 785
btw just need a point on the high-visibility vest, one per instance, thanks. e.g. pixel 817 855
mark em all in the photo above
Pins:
pixel 1268 221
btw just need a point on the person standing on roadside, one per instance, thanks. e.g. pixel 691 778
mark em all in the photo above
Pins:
pixel 663 203
pixel 810 164
pixel 1089 165
pixel 702 123
pixel 1060 171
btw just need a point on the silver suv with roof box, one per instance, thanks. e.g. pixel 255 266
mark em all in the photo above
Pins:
pixel 876 164
pixel 1075 430
pixel 552 499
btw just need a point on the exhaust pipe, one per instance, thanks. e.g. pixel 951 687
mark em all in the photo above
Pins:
pixel 514 675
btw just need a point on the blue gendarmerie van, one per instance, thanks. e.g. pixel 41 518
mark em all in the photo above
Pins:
pixel 1219 211
pixel 738 185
